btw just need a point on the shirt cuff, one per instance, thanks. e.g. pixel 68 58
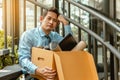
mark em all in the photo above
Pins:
pixel 67 29
pixel 33 69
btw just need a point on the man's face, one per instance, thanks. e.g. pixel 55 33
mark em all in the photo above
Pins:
pixel 49 22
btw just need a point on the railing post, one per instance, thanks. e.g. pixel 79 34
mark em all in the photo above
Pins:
pixel 35 13
pixel 24 7
pixel 105 53
pixel 5 23
pixel 114 61
pixel 56 4
pixel 89 36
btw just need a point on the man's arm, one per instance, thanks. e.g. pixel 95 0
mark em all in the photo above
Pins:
pixel 82 44
pixel 63 20
pixel 66 24
pixel 24 52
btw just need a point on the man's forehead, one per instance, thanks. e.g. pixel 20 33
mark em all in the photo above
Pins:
pixel 50 13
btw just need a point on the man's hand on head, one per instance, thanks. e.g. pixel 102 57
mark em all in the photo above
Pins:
pixel 62 20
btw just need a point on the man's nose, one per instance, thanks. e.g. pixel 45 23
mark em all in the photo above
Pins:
pixel 51 21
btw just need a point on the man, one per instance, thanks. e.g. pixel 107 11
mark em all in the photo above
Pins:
pixel 40 37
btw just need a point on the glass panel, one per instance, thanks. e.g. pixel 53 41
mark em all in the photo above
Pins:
pixel 0 18
pixel 30 14
pixel 66 9
pixel 118 8
pixel 40 1
pixel 21 17
pixel 75 13
pixel 72 11
pixel 49 3
pixel 0 1
pixel 60 29
pixel 0 14
pixel 61 6
pixel 75 31
pixel 38 15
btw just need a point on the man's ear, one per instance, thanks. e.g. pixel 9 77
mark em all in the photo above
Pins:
pixel 41 18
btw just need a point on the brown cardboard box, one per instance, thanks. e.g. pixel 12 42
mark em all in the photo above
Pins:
pixel 70 65
pixel 42 58
pixel 77 65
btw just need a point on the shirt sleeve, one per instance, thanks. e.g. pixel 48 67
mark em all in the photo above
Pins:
pixel 67 29
pixel 58 37
pixel 24 53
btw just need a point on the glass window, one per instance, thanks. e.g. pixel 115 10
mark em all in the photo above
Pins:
pixel 40 1
pixel 21 16
pixel 30 15
pixel 0 14
pixel 118 8
pixel 0 1
pixel 38 15
pixel 46 2
pixel 0 18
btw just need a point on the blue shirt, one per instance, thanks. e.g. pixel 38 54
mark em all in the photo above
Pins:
pixel 35 38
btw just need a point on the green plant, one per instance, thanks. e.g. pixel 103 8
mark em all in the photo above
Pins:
pixel 8 58
pixel 9 40
pixel 1 63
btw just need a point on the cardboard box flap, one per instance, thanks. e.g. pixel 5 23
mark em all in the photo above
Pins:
pixel 43 58
pixel 75 66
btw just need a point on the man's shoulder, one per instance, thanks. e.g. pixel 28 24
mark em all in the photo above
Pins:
pixel 30 32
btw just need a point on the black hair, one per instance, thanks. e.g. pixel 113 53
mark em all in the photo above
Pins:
pixel 52 9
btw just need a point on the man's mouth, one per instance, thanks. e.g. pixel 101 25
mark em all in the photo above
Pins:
pixel 49 26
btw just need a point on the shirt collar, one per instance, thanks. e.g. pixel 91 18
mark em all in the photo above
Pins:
pixel 42 33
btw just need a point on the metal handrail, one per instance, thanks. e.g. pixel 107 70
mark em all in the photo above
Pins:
pixel 97 14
